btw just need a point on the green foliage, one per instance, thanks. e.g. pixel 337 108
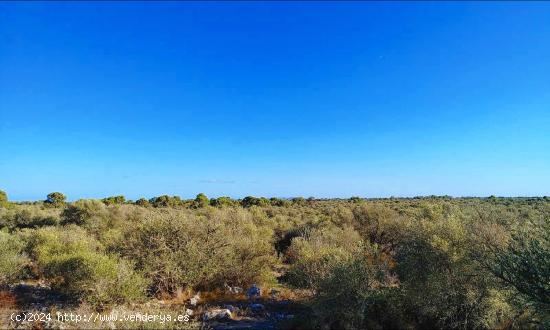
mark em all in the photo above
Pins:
pixel 201 201
pixel 3 199
pixel 426 262
pixel 56 198
pixel 166 201
pixel 223 201
pixel 317 252
pixel 525 263
pixel 12 258
pixel 298 200
pixel 249 201
pixel 520 259
pixel 184 251
pixel 75 265
pixel 356 293
pixel 447 290
pixel 114 200
pixel 279 202
pixel 143 202
pixel 82 212
pixel 27 217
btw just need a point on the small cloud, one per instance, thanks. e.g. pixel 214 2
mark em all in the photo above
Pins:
pixel 217 181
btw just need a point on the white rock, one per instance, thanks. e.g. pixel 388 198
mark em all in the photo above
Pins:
pixel 195 300
pixel 217 314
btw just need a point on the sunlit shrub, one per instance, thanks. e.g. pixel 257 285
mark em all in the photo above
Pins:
pixel 199 250
pixel 28 216
pixel 357 293
pixel 12 258
pixel 75 265
pixel 82 212
pixel 314 255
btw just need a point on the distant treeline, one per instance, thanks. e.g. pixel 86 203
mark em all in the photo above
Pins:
pixel 201 200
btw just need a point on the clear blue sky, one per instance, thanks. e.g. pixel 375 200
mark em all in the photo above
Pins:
pixel 274 99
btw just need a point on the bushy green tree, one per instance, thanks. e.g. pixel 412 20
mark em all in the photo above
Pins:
pixel 223 201
pixel 249 201
pixel 56 198
pixel 143 202
pixel 114 200
pixel 201 201
pixel 166 201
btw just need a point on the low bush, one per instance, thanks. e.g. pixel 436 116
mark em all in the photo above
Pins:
pixel 357 293
pixel 12 258
pixel 314 255
pixel 74 264
pixel 28 216
pixel 177 250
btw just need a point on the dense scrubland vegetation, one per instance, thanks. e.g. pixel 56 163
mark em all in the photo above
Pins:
pixel 431 262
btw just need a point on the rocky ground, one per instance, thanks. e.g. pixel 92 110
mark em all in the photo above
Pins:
pixel 231 311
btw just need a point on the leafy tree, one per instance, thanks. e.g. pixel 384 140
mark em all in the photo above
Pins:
pixel 56 198
pixel 222 201
pixel 523 262
pixel 114 200
pixel 166 201
pixel 142 202
pixel 201 201
pixel 249 201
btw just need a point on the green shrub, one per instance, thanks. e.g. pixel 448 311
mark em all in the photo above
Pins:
pixel 519 259
pixel 201 201
pixel 28 216
pixel 143 202
pixel 441 285
pixel 223 201
pixel 75 265
pixel 356 293
pixel 180 249
pixel 314 255
pixel 55 199
pixel 12 258
pixel 82 212
pixel 114 200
